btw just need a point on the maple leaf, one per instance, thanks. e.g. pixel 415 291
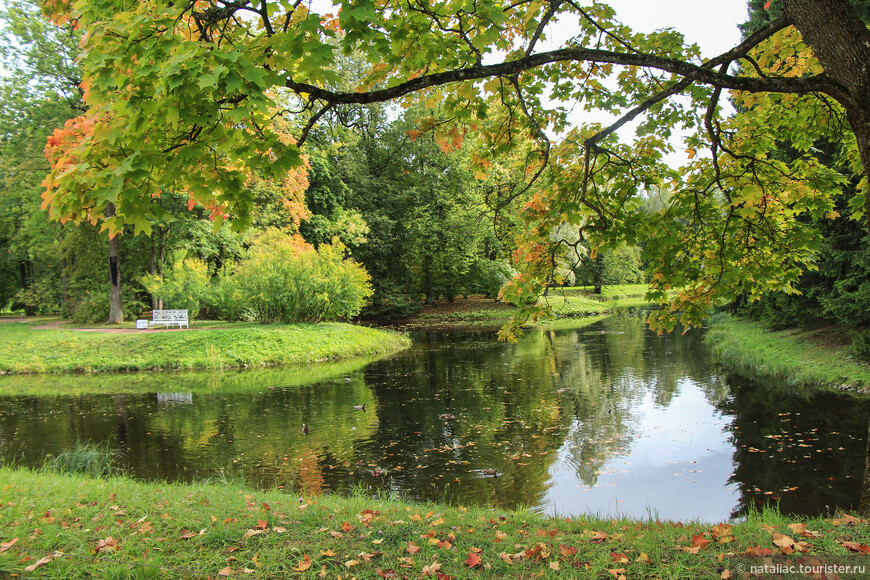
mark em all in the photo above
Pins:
pixel 848 520
pixel 346 527
pixel 786 543
pixel 617 572
pixel 767 4
pixel 432 568
pixel 500 536
pixel 304 564
pixel 262 524
pixel 759 552
pixel 855 547
pixel 699 541
pixel 226 572
pixel 507 558
pixel 109 543
pixel 412 548
pixel 566 551
pixel 722 533
pixel 472 560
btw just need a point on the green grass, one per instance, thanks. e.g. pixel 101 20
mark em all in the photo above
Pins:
pixel 24 349
pixel 75 527
pixel 798 358
pixel 572 302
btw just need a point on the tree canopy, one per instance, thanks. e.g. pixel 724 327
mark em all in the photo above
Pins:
pixel 185 96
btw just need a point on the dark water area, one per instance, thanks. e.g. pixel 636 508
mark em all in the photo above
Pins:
pixel 607 418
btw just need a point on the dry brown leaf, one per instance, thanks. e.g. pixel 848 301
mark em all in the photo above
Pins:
pixel 38 563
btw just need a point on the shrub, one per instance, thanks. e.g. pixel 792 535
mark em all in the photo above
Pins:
pixel 185 285
pixel 283 279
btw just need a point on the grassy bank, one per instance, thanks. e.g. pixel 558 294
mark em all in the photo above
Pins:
pixel 73 527
pixel 797 357
pixel 572 302
pixel 25 349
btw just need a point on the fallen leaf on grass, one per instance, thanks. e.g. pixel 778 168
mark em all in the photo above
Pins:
pixel 472 560
pixel 566 551
pixel 699 540
pixel 554 565
pixel 412 548
pixel 6 545
pixel 619 558
pixel 187 534
pixel 109 543
pixel 351 563
pixel 500 536
pixel 327 553
pixel 855 547
pixel 432 568
pixel 262 524
pixel 38 563
pixel 304 564
pixel 722 533
pixel 848 520
pixel 226 572
pixel 507 558
pixel 617 573
pixel 759 552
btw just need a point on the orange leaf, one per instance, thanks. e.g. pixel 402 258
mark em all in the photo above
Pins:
pixel 767 4
pixel 566 551
pixel 304 564
pixel 472 560
pixel 856 547
pixel 759 552
pixel 6 545
pixel 225 572
pixel 346 527
pixel 262 524
pixel 412 548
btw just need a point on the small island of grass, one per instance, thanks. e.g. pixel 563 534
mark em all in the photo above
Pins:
pixel 26 348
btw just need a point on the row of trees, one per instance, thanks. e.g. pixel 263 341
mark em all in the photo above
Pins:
pixel 417 213
pixel 449 194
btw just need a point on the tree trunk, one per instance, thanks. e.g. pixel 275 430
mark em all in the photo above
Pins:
pixel 116 307
pixel 841 42
pixel 24 269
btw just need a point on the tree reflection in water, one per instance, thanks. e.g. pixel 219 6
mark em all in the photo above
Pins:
pixel 604 417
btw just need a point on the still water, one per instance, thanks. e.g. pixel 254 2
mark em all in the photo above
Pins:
pixel 606 418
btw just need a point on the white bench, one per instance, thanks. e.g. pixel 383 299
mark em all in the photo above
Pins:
pixel 168 318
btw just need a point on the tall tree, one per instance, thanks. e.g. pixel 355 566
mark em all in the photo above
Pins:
pixel 181 94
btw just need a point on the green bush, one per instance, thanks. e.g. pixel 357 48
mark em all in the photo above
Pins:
pixel 488 276
pixel 283 279
pixel 185 285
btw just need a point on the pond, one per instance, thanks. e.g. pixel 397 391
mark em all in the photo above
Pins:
pixel 605 418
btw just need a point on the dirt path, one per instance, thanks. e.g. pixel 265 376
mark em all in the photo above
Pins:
pixel 56 324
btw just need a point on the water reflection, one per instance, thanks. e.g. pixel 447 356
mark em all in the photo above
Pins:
pixel 605 418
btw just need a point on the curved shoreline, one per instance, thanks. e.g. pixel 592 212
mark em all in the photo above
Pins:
pixel 796 358
pixel 212 346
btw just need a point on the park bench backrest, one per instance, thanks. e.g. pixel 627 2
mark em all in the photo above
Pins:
pixel 169 316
